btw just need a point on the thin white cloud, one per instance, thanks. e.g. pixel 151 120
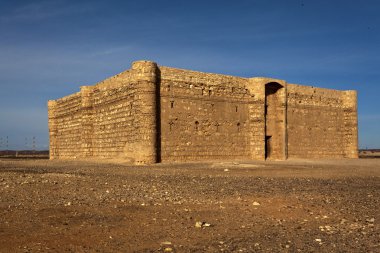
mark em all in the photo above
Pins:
pixel 36 11
pixel 111 50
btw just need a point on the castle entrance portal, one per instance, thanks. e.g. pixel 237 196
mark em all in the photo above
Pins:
pixel 274 121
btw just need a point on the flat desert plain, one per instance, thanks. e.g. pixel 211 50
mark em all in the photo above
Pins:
pixel 108 206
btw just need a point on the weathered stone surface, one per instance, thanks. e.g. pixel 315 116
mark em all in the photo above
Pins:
pixel 152 113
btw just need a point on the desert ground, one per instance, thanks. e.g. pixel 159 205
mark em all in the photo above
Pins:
pixel 245 206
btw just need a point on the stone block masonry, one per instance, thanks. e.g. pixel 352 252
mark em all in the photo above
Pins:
pixel 152 114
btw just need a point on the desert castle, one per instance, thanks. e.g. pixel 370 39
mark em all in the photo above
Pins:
pixel 151 114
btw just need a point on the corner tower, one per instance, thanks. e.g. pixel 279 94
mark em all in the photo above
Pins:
pixel 350 135
pixel 145 149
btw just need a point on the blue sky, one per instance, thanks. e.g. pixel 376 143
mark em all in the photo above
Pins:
pixel 50 48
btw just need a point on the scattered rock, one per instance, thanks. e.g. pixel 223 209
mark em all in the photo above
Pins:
pixel 256 203
pixel 167 246
pixel 202 224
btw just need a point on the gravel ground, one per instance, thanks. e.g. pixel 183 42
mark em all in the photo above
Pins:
pixel 287 206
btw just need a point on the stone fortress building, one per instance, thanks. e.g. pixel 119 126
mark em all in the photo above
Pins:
pixel 151 114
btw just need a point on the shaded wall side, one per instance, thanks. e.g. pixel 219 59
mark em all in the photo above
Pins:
pixel 204 116
pixel 315 122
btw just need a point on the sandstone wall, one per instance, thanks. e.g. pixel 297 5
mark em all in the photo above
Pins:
pixel 115 118
pixel 204 116
pixel 350 137
pixel 65 123
pixel 319 122
pixel 150 114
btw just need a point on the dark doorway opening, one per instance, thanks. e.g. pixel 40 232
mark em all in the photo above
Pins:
pixel 274 120
pixel 268 146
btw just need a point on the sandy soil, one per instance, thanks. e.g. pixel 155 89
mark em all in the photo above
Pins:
pixel 288 206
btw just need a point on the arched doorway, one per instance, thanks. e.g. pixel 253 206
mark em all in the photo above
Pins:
pixel 274 121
